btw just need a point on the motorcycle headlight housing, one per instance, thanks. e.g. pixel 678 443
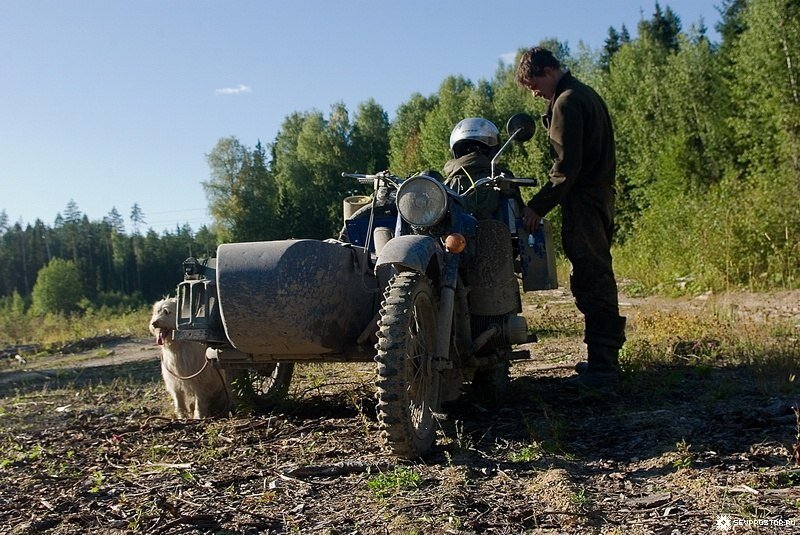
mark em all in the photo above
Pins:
pixel 422 201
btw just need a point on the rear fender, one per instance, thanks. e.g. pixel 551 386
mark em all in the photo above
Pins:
pixel 410 252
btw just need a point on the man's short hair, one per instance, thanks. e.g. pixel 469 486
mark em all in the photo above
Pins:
pixel 533 62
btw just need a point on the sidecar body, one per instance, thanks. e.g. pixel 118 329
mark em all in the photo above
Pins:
pixel 287 300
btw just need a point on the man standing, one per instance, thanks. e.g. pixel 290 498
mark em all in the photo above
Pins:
pixel 582 182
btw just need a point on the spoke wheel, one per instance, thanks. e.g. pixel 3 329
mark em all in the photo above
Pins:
pixel 261 388
pixel 408 388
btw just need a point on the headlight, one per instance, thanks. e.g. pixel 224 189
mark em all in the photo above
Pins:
pixel 422 201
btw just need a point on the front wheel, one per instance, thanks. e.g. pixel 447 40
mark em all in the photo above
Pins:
pixel 408 385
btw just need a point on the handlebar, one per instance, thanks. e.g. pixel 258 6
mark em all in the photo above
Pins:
pixel 523 181
pixel 384 176
pixel 500 178
pixel 390 179
pixel 362 178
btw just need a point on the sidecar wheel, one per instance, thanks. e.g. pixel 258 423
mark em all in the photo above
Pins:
pixel 408 384
pixel 260 388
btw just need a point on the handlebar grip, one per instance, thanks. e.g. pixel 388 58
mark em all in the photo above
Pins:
pixel 361 177
pixel 523 181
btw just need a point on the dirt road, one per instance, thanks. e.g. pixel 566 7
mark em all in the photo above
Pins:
pixel 89 446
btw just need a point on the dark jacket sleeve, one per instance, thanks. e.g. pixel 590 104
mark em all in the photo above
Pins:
pixel 566 143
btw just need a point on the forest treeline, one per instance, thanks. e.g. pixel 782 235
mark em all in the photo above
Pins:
pixel 708 145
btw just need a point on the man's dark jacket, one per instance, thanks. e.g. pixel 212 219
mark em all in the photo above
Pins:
pixel 581 144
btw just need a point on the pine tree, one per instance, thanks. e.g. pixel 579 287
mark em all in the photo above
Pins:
pixel 137 218
pixel 663 28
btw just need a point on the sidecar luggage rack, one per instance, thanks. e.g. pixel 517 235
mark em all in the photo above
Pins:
pixel 198 313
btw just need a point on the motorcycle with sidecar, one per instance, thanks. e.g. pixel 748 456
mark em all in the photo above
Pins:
pixel 421 287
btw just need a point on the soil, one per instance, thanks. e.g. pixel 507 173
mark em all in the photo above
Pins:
pixel 88 444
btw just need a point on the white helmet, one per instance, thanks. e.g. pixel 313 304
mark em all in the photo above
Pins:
pixel 468 131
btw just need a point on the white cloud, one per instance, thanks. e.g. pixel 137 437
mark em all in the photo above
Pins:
pixel 508 58
pixel 241 88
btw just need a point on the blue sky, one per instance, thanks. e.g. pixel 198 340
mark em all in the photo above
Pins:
pixel 112 102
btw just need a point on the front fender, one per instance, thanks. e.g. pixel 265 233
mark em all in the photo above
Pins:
pixel 409 253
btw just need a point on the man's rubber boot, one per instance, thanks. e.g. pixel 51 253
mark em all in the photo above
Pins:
pixel 601 372
pixel 603 332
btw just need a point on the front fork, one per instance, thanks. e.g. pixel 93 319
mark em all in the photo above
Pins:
pixel 444 325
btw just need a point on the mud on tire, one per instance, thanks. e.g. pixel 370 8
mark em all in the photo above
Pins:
pixel 408 383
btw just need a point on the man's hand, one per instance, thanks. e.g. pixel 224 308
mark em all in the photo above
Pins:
pixel 530 220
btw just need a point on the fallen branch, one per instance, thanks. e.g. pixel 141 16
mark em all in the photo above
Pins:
pixel 12 351
pixel 338 469
pixel 91 343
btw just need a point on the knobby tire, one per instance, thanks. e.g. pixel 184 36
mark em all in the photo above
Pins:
pixel 408 388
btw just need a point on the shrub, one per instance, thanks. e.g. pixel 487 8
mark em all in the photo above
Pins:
pixel 734 235
pixel 14 323
pixel 58 288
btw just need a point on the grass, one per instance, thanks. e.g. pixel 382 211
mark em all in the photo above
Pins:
pixel 57 329
pixel 581 497
pixel 703 340
pixel 389 483
pixel 685 457
pixel 16 454
pixel 103 352
pixel 533 452
pixel 539 447
pixel 738 234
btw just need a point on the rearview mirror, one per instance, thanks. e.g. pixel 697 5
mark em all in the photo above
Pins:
pixel 521 126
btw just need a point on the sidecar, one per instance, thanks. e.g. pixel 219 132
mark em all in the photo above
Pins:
pixel 261 303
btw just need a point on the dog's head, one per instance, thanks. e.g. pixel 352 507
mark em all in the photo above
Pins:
pixel 163 321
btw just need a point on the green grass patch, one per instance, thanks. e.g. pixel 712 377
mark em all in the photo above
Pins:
pixel 17 327
pixel 389 483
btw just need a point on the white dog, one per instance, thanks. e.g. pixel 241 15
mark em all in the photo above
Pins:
pixel 198 389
